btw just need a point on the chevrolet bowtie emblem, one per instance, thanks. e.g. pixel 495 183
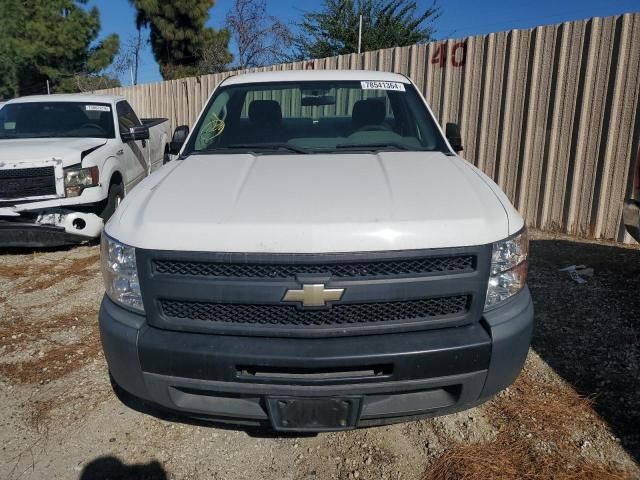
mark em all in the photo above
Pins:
pixel 314 295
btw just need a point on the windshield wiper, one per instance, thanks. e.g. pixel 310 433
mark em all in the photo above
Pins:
pixel 376 146
pixel 261 146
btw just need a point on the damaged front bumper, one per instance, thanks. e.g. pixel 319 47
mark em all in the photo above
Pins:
pixel 49 228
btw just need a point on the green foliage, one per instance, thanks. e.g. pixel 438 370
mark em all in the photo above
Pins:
pixel 385 23
pixel 49 40
pixel 179 37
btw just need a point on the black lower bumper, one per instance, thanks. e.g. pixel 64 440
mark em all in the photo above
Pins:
pixel 631 217
pixel 32 235
pixel 391 377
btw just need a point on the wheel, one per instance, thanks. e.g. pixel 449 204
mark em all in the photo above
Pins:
pixel 116 194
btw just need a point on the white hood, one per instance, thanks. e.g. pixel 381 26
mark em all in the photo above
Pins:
pixel 311 204
pixel 27 150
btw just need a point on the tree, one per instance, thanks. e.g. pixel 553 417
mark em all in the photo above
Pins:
pixel 214 58
pixel 385 23
pixel 261 39
pixel 179 36
pixel 83 82
pixel 50 40
pixel 127 62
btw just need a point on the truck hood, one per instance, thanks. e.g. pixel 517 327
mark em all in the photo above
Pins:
pixel 27 150
pixel 311 204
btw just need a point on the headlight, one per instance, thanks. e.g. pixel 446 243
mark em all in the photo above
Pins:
pixel 76 180
pixel 120 273
pixel 508 268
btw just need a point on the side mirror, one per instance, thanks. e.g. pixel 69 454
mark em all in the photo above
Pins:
pixel 135 133
pixel 179 137
pixel 452 131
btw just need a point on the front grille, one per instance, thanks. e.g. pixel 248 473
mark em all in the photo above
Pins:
pixel 340 314
pixel 414 266
pixel 27 182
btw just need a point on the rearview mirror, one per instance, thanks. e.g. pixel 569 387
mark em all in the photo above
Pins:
pixel 140 132
pixel 318 101
pixel 180 135
pixel 452 131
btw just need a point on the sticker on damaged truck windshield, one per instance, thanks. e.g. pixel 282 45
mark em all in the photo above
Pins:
pixel 377 85
pixel 97 108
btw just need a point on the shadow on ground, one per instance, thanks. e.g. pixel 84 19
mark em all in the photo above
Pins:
pixel 590 333
pixel 111 468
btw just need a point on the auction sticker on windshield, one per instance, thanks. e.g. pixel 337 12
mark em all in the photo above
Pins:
pixel 97 108
pixel 376 85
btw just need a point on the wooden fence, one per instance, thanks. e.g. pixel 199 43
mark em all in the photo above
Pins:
pixel 550 113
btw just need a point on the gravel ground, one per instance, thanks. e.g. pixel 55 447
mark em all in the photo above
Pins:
pixel 573 413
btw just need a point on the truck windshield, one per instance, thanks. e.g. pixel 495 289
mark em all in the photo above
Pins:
pixel 56 119
pixel 316 117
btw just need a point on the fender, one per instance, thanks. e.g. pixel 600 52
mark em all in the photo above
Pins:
pixel 110 166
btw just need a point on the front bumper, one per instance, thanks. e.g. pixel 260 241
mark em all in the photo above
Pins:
pixel 631 217
pixel 31 235
pixel 396 377
pixel 68 228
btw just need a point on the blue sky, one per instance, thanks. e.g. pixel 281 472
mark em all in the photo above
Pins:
pixel 460 18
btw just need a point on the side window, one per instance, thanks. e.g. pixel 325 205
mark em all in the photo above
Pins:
pixel 127 118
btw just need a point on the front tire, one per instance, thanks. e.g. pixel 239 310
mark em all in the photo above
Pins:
pixel 116 194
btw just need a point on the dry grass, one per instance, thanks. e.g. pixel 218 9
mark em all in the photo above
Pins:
pixel 20 331
pixel 535 420
pixel 512 458
pixel 12 271
pixel 39 415
pixel 547 410
pixel 56 362
pixel 41 412
pixel 38 276
pixel 43 277
pixel 55 359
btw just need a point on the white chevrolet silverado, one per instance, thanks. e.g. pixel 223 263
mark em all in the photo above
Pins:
pixel 317 258
pixel 66 162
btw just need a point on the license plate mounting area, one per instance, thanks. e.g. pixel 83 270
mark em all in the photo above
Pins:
pixel 309 414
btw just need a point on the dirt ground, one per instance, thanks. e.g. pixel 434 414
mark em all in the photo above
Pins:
pixel 574 412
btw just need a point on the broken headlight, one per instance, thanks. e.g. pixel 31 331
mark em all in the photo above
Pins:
pixel 77 179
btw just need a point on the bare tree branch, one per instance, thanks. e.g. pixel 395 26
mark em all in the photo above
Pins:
pixel 261 39
pixel 127 62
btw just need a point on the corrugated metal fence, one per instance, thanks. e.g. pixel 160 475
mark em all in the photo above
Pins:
pixel 550 113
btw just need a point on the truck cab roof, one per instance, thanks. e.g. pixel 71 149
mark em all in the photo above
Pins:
pixel 315 75
pixel 68 97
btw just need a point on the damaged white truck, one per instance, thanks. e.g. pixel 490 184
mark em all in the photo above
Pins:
pixel 66 162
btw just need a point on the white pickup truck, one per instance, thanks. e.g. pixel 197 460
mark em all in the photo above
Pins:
pixel 317 258
pixel 66 162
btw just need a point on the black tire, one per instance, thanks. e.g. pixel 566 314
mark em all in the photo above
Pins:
pixel 116 194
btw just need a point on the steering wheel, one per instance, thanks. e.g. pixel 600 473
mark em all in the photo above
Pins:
pixel 375 128
pixel 95 126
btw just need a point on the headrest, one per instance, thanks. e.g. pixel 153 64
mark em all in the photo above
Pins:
pixel 105 120
pixel 368 112
pixel 265 112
